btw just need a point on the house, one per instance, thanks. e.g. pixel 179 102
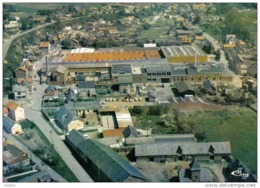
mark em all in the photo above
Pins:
pixel 170 151
pixel 103 164
pixel 21 72
pixel 5 111
pixel 67 120
pixel 15 112
pixel 185 89
pixel 45 47
pixel 20 92
pixel 195 173
pixel 39 20
pixel 59 74
pixel 13 158
pixel 87 86
pixel 209 87
pixel 158 73
pixel 50 91
pixel 11 126
pixel 71 96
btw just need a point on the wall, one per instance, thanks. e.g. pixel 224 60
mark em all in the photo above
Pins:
pixel 76 124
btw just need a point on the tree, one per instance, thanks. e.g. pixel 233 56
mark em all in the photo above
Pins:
pixel 196 20
pixel 200 136
pixel 155 110
pixel 217 58
pixel 84 42
pixel 66 44
pixel 137 110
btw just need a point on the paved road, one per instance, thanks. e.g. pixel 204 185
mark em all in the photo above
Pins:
pixel 9 41
pixel 33 113
pixel 43 167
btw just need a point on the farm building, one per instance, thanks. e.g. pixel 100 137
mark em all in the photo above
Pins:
pixel 167 151
pixel 103 164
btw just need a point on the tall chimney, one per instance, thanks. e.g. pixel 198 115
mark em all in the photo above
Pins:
pixel 46 61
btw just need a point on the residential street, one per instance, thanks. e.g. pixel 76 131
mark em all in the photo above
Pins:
pixel 33 113
pixel 40 164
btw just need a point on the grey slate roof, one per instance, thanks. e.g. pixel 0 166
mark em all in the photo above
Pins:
pixel 207 84
pixel 184 86
pixel 86 84
pixel 121 69
pixel 179 72
pixel 191 70
pixel 8 122
pixel 166 148
pixel 194 165
pixel 19 88
pixel 71 96
pixel 212 69
pixel 109 162
pixel 125 79
pixel 158 68
pixel 174 138
pixel 75 137
pixel 65 116
pixel 50 88
pixel 130 132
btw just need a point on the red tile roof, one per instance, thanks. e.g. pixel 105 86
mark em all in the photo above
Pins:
pixel 113 133
pixel 5 110
pixel 19 80
pixel 12 105
pixel 22 68
pixel 44 45
pixel 29 80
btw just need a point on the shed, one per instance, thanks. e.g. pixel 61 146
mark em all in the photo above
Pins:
pixel 185 89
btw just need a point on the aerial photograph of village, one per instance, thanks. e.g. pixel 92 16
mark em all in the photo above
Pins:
pixel 129 92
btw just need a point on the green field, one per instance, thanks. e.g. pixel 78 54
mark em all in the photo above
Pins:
pixel 151 34
pixel 151 121
pixel 238 125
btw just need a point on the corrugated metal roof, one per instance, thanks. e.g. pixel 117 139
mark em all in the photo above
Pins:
pixel 109 162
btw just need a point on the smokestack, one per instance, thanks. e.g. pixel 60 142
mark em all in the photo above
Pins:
pixel 46 61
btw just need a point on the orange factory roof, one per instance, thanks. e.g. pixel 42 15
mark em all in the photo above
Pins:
pixel 112 56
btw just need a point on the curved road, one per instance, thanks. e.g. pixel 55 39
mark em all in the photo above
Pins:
pixel 9 41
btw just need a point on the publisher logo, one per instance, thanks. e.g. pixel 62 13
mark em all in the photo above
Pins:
pixel 239 173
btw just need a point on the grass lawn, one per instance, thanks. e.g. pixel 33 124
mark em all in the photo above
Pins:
pixel 238 125
pixel 151 33
pixel 151 121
